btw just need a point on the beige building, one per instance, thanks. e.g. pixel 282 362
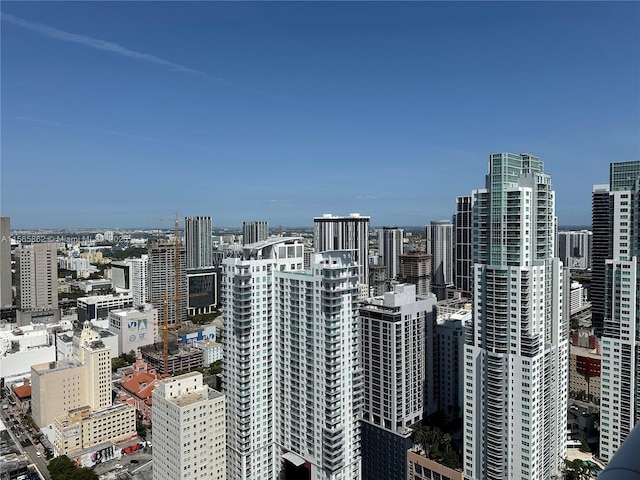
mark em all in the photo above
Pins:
pixel 58 387
pixel 83 427
pixel 188 430
pixel 37 277
pixel 420 467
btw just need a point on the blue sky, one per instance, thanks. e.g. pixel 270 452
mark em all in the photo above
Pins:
pixel 281 111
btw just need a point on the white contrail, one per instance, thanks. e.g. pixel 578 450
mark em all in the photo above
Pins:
pixel 93 43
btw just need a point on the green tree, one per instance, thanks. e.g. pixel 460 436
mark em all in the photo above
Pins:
pixel 215 367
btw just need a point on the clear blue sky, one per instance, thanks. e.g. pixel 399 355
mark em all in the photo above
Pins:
pixel 282 111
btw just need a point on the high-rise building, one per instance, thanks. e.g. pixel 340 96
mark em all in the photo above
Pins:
pixel 415 268
pixel 188 430
pixel 620 389
pixel 394 356
pixel 291 372
pixel 318 380
pixel 463 268
pixel 247 373
pixel 440 246
pixel 600 252
pixel 344 233
pixel 198 241
pixel 391 246
pixel 516 359
pixel 161 281
pixel 253 232
pixel 131 275
pixel 37 277
pixel 574 248
pixel 378 283
pixel 6 298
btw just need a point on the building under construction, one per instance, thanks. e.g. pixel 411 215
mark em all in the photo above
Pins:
pixel 179 358
pixel 415 268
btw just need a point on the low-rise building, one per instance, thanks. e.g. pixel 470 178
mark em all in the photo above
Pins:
pixel 134 327
pixel 83 427
pixel 584 365
pixel 419 467
pixel 211 351
pixel 185 359
pixel 136 388
pixel 96 309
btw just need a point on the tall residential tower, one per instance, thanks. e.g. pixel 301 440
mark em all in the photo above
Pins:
pixel 199 247
pixel 620 388
pixel 344 233
pixel 516 358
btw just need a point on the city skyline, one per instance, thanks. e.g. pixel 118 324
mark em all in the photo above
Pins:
pixel 390 110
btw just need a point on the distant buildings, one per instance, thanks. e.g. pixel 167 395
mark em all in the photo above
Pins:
pixel 397 359
pixel 188 430
pixel 344 233
pixel 391 246
pixel 620 405
pixel 574 249
pixel 37 277
pixel 415 268
pixel 253 232
pixel 130 276
pixel 198 241
pixel 516 358
pixel 440 246
pixel 463 225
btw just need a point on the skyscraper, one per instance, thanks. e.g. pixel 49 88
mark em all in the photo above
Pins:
pixel 6 298
pixel 574 248
pixel 37 277
pixel 395 341
pixel 415 268
pixel 189 430
pixel 253 232
pixel 440 246
pixel 197 234
pixel 162 266
pixel 344 233
pixel 601 251
pixel 620 389
pixel 462 248
pixel 391 246
pixel 291 373
pixel 516 359
pixel 248 290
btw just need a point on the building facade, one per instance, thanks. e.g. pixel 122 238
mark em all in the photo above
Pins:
pixel 620 389
pixel 6 295
pixel 574 249
pixel 516 359
pixel 344 233
pixel 396 345
pixel 167 281
pixel 463 264
pixel 37 277
pixel 189 430
pixel 391 246
pixel 134 327
pixel 440 245
pixel 198 241
pixel 415 268
pixel 253 232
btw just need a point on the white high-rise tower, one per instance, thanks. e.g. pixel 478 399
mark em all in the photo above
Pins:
pixel 620 391
pixel 291 373
pixel 516 359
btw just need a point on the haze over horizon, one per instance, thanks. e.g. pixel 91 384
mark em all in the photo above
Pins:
pixel 116 112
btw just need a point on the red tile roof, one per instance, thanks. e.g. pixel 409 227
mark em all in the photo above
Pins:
pixel 23 391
